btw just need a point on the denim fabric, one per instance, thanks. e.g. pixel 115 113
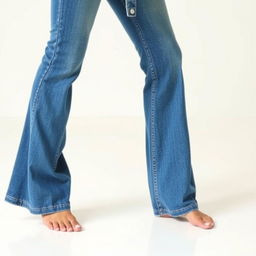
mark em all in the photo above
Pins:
pixel 41 179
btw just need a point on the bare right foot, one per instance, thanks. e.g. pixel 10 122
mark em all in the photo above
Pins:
pixel 196 218
pixel 61 221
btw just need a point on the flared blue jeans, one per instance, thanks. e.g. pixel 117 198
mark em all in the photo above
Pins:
pixel 40 179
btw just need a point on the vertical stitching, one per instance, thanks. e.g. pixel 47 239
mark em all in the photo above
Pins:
pixel 55 47
pixel 145 46
pixel 153 109
pixel 53 56
pixel 147 51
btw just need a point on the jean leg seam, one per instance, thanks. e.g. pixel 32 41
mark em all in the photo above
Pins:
pixel 153 110
pixel 59 20
pixel 48 68
pixel 146 49
pixel 144 45
pixel 153 100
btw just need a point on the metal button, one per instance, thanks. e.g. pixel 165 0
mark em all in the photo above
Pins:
pixel 132 11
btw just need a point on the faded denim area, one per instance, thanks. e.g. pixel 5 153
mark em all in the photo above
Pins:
pixel 41 178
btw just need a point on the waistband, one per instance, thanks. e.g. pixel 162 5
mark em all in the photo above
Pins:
pixel 131 8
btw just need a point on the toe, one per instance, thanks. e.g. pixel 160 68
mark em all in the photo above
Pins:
pixel 76 226
pixel 207 221
pixel 50 225
pixel 207 218
pixel 62 226
pixel 56 226
pixel 69 226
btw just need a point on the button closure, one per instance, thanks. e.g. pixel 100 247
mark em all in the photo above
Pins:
pixel 132 11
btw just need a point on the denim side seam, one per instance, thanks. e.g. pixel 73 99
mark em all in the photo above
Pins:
pixel 47 70
pixel 35 210
pixel 59 20
pixel 153 100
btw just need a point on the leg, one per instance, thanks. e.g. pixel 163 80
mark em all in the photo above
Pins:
pixel 170 175
pixel 40 179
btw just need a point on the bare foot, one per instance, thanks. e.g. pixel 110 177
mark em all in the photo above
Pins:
pixel 196 218
pixel 61 221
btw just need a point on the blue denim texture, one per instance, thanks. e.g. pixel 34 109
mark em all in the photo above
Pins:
pixel 41 179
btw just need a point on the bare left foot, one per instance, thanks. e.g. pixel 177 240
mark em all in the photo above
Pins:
pixel 196 218
pixel 61 221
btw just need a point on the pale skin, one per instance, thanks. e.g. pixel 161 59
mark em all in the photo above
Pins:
pixel 65 221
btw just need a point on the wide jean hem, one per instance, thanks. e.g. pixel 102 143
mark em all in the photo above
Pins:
pixel 41 210
pixel 177 212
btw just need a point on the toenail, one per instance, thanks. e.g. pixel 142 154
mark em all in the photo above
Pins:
pixel 207 223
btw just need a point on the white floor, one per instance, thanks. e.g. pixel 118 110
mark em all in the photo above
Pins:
pixel 110 195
